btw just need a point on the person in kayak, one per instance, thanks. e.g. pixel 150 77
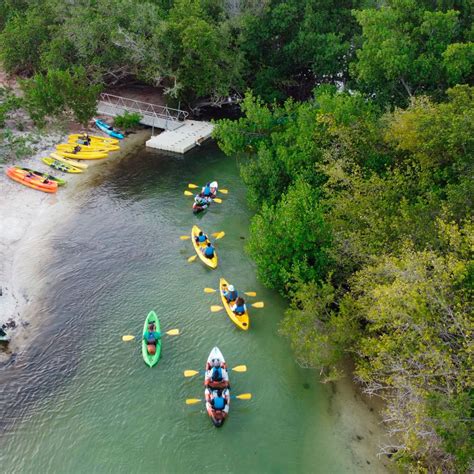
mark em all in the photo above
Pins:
pixel 217 376
pixel 208 192
pixel 201 238
pixel 239 306
pixel 230 293
pixel 208 251
pixel 219 402
pixel 151 337
pixel 76 149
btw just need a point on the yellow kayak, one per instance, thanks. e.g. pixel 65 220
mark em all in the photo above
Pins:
pixel 68 161
pixel 57 165
pixel 82 155
pixel 105 147
pixel 241 320
pixel 94 138
pixel 210 262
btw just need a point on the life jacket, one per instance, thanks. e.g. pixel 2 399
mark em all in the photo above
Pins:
pixel 219 403
pixel 240 309
pixel 206 191
pixel 216 374
pixel 151 338
pixel 232 295
pixel 209 251
pixel 201 238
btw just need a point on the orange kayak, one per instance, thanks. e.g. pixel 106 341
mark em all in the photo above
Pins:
pixel 32 181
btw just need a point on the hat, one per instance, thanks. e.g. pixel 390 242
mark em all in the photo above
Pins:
pixel 231 287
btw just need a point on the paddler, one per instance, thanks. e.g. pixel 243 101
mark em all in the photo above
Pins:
pixel 208 192
pixel 230 293
pixel 201 238
pixel 219 402
pixel 151 337
pixel 208 251
pixel 217 376
pixel 239 306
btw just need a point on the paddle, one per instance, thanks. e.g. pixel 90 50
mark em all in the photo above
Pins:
pixel 258 304
pixel 171 332
pixel 212 290
pixel 192 373
pixel 191 259
pixel 243 396
pixel 217 235
pixel 195 186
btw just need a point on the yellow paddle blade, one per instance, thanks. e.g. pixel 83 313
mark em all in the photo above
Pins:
pixel 219 235
pixel 173 332
pixel 192 186
pixel 209 290
pixel 191 259
pixel 240 368
pixel 258 304
pixel 190 373
pixel 192 401
pixel 184 237
pixel 188 193
pixel 214 309
pixel 218 200
pixel 128 338
pixel 250 293
pixel 244 396
pixel 224 191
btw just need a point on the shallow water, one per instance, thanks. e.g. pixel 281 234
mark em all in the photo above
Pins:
pixel 81 400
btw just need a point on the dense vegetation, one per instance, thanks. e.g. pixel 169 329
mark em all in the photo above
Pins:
pixel 363 192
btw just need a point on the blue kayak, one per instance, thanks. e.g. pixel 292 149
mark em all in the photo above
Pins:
pixel 108 129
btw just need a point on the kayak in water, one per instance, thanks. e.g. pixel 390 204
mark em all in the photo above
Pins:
pixel 201 204
pixel 217 392
pixel 109 130
pixel 240 320
pixel 31 180
pixel 199 247
pixel 151 351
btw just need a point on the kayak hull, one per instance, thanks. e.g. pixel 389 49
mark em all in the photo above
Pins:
pixel 61 182
pixel 241 321
pixel 209 262
pixel 94 138
pixel 68 161
pixel 34 182
pixel 151 360
pixel 209 393
pixel 58 165
pixel 104 147
pixel 107 129
pixel 82 155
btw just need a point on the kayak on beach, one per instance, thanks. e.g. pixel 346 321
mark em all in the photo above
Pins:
pixel 83 155
pixel 240 320
pixel 31 180
pixel 217 391
pixel 104 147
pixel 69 161
pixel 210 262
pixel 81 137
pixel 152 324
pixel 109 130
pixel 61 182
pixel 58 165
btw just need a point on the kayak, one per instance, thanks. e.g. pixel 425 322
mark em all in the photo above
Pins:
pixel 104 147
pixel 197 208
pixel 68 161
pixel 83 155
pixel 57 165
pixel 108 129
pixel 210 262
pixel 151 360
pixel 33 181
pixel 61 182
pixel 94 138
pixel 217 416
pixel 242 321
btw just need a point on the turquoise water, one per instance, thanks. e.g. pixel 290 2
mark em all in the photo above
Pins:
pixel 81 400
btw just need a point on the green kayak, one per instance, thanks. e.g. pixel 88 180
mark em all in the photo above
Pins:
pixel 61 182
pixel 149 359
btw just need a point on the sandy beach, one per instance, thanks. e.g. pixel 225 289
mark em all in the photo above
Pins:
pixel 28 217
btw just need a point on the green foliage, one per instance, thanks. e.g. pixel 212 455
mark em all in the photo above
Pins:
pixel 57 91
pixel 127 120
pixel 289 241
pixel 9 102
pixel 13 146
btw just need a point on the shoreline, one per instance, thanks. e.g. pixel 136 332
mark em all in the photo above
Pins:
pixel 29 216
